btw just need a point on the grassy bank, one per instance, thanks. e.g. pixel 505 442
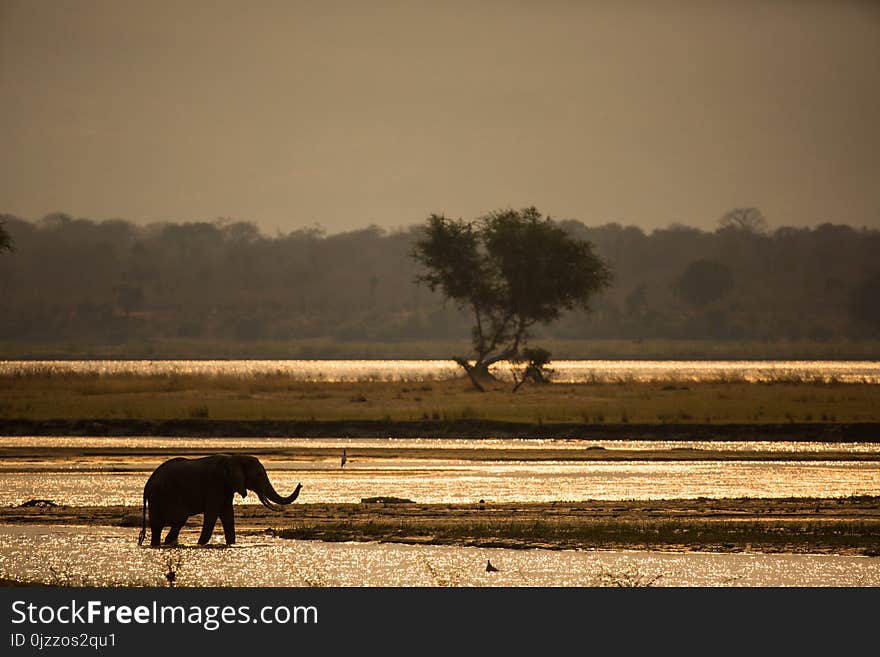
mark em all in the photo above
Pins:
pixel 322 348
pixel 839 537
pixel 71 397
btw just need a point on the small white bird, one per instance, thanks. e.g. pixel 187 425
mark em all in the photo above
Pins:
pixel 344 459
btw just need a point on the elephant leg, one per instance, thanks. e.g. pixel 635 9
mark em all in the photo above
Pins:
pixel 171 539
pixel 155 533
pixel 227 518
pixel 208 527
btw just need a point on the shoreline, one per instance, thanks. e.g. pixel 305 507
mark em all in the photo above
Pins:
pixel 207 428
pixel 849 526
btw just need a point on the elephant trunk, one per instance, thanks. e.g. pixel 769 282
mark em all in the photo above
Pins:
pixel 271 499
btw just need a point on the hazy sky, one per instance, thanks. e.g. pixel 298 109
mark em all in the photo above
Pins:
pixel 365 111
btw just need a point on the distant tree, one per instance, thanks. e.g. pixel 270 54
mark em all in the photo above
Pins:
pixel 5 238
pixel 129 297
pixel 238 231
pixel 374 285
pixel 702 282
pixel 637 300
pixel 56 220
pixel 863 302
pixel 513 270
pixel 748 220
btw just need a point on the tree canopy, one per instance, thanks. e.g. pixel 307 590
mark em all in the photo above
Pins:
pixel 863 304
pixel 512 269
pixel 217 286
pixel 703 281
pixel 750 220
pixel 5 239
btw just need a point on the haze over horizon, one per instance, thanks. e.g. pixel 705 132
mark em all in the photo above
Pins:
pixel 345 114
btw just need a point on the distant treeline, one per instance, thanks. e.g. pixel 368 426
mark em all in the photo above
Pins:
pixel 115 281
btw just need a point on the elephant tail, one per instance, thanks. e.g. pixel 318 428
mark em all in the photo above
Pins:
pixel 143 533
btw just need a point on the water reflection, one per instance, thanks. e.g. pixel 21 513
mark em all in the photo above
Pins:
pixel 102 556
pixel 453 481
pixel 567 371
pixel 528 444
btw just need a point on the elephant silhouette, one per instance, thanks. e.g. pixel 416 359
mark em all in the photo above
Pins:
pixel 181 487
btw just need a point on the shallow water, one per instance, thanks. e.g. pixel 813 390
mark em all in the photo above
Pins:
pixel 232 443
pixel 81 556
pixel 566 371
pixel 431 477
pixel 84 483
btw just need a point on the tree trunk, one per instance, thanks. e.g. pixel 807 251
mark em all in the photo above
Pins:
pixel 477 372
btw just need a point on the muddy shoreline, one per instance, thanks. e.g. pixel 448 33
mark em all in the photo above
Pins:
pixel 791 525
pixel 193 427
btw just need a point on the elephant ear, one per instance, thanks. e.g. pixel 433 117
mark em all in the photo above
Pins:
pixel 233 471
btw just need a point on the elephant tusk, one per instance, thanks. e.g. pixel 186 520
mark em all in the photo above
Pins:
pixel 270 505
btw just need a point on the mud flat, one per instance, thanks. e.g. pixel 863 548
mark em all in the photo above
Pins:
pixel 849 525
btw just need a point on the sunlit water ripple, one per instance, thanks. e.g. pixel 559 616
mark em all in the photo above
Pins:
pixel 104 556
pixel 436 481
pixel 527 444
pixel 566 371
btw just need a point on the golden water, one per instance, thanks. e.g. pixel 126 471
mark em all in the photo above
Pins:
pixel 120 480
pixel 108 556
pixel 567 371
pixel 515 444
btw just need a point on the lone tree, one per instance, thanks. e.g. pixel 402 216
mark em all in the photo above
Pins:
pixel 747 220
pixel 513 270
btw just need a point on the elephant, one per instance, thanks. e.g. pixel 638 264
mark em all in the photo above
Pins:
pixel 181 487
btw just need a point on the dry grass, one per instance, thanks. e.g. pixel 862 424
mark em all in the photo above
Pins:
pixel 275 397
